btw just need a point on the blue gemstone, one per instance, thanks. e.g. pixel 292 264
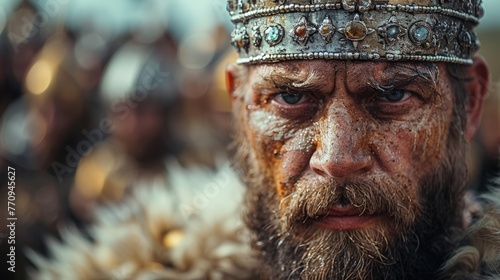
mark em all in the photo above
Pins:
pixel 420 34
pixel 393 31
pixel 272 34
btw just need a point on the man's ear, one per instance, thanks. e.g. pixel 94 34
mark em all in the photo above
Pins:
pixel 232 79
pixel 477 88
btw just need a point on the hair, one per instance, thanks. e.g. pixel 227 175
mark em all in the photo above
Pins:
pixel 457 74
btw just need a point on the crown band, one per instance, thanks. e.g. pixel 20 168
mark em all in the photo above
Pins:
pixel 290 8
pixel 349 56
pixel 266 31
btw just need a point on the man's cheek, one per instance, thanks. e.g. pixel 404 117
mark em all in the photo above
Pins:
pixel 266 152
pixel 268 133
pixel 298 149
pixel 428 142
pixel 288 169
pixel 396 160
pixel 293 161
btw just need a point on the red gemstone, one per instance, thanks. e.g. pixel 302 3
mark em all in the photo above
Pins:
pixel 301 31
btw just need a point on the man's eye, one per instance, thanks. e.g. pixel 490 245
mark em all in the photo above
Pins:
pixel 396 95
pixel 289 98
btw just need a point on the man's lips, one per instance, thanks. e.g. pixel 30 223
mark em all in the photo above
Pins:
pixel 345 218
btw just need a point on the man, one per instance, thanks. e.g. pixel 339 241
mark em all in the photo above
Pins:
pixel 352 120
pixel 141 112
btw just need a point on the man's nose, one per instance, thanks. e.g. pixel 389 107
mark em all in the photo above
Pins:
pixel 340 152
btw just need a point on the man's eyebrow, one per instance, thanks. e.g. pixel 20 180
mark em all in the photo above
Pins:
pixel 411 71
pixel 289 80
pixel 400 75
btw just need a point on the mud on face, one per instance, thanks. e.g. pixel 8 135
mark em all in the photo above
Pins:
pixel 376 136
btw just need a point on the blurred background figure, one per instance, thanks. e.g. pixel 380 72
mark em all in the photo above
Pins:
pixel 19 43
pixel 207 110
pixel 142 104
pixel 55 101
pixel 36 130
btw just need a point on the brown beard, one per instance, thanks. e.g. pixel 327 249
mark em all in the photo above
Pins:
pixel 413 243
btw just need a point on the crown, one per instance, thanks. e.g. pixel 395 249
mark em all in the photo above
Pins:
pixel 380 30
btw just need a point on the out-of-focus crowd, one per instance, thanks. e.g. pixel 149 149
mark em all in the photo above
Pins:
pixel 86 118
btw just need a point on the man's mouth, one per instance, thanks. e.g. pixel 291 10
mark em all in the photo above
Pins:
pixel 345 217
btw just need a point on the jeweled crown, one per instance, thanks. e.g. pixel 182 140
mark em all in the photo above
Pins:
pixel 381 30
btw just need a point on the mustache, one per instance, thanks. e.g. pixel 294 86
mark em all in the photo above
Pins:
pixel 369 196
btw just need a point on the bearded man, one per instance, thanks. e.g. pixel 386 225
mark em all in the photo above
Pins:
pixel 352 121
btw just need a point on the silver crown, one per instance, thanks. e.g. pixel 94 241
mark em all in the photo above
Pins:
pixel 381 30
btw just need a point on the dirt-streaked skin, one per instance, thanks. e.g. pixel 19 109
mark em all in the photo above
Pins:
pixel 355 170
pixel 342 127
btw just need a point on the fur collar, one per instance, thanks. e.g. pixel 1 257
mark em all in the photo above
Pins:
pixel 481 258
pixel 188 230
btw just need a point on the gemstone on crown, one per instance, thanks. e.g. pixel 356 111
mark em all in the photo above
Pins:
pixel 390 31
pixel 302 31
pixel 327 29
pixel 274 34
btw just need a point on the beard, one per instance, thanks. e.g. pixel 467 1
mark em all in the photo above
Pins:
pixel 413 242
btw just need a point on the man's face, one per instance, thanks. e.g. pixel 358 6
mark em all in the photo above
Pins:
pixel 351 166
pixel 142 130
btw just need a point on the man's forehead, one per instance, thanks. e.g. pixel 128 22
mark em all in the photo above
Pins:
pixel 301 70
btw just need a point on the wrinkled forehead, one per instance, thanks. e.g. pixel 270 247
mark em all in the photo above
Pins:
pixel 352 70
